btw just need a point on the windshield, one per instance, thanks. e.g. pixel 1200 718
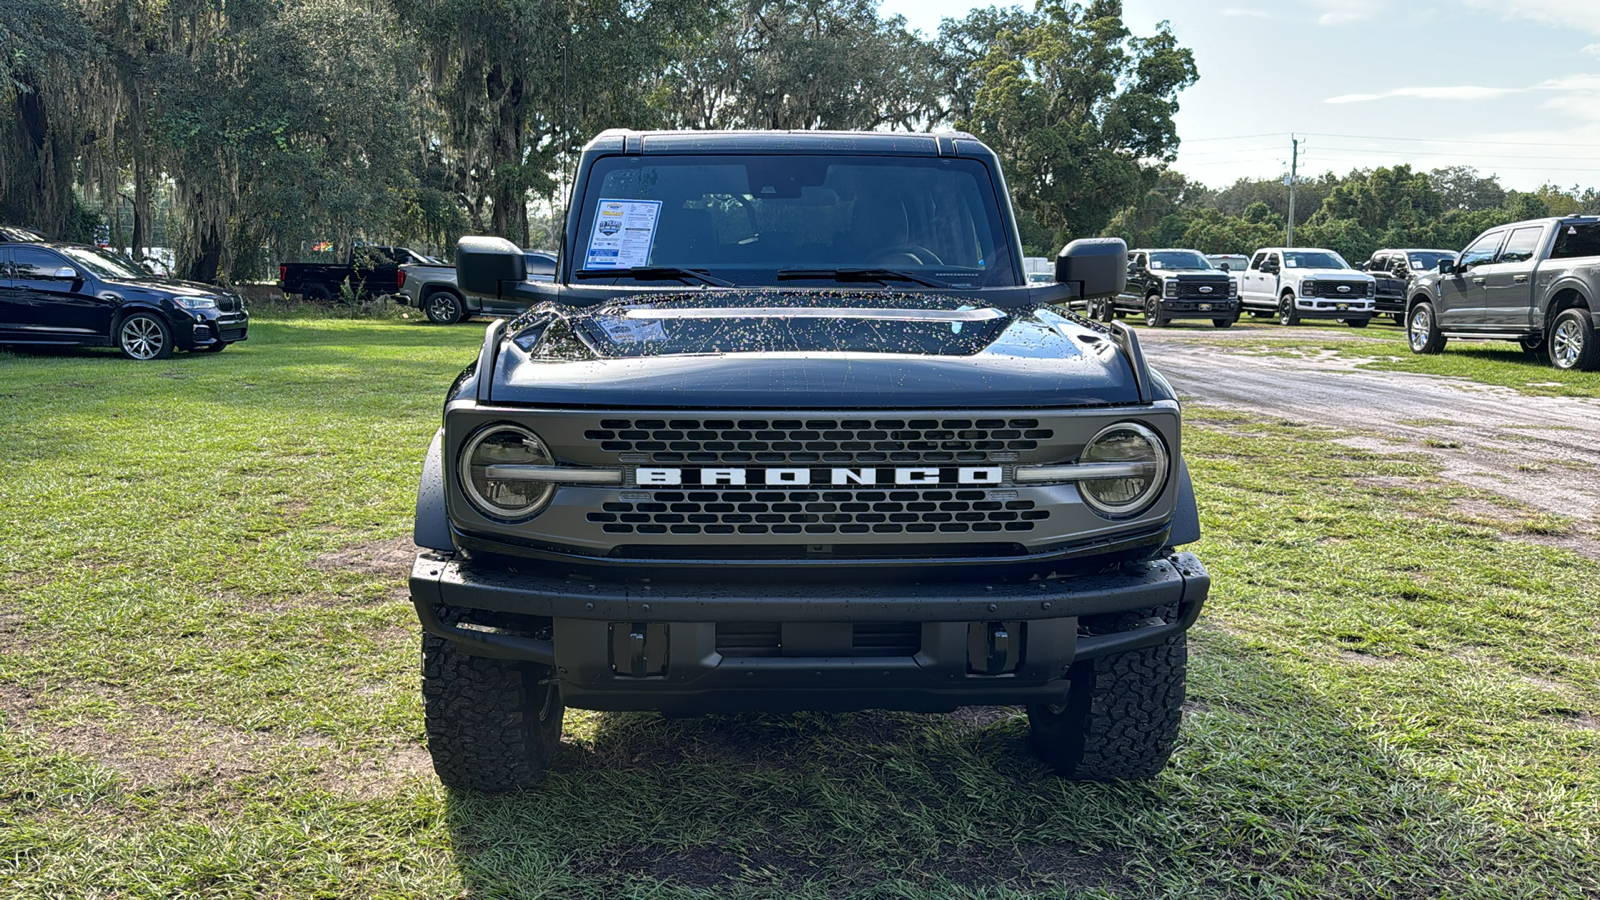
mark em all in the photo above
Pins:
pixel 1177 259
pixel 1424 260
pixel 746 218
pixel 103 264
pixel 1313 259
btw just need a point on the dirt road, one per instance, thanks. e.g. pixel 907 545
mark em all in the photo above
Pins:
pixel 1542 451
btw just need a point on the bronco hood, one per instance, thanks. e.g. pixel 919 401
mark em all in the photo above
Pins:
pixel 809 350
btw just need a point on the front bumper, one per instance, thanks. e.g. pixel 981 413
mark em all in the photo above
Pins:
pixel 207 330
pixel 1331 309
pixel 634 646
pixel 1200 309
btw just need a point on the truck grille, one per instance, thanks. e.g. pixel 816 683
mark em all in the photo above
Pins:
pixel 1190 290
pixel 1330 290
pixel 231 334
pixel 821 513
pixel 785 441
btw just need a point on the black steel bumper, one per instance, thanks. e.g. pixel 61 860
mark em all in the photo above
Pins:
pixel 1200 309
pixel 631 646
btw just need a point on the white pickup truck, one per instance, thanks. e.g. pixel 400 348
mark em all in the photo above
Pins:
pixel 1306 283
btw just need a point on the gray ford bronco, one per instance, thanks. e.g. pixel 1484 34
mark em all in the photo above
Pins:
pixel 791 430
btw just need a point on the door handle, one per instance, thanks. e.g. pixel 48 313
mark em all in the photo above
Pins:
pixel 1521 279
pixel 1479 280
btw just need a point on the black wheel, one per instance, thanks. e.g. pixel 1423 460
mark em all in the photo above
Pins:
pixel 1287 314
pixel 143 336
pixel 493 724
pixel 1223 323
pixel 317 294
pixel 1533 347
pixel 213 347
pixel 1357 323
pixel 1091 309
pixel 1422 331
pixel 443 308
pixel 1108 309
pixel 1572 343
pixel 1121 715
pixel 1152 312
pixel 1400 318
pixel 1260 314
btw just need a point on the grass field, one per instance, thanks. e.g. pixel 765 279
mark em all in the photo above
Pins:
pixel 209 682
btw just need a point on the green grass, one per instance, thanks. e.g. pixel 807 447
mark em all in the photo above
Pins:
pixel 208 682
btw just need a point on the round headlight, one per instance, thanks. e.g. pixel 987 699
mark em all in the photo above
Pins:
pixel 1138 451
pixel 500 445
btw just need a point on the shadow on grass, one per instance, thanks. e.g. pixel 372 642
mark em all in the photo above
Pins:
pixel 1270 793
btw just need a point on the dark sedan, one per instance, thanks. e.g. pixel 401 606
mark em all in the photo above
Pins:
pixel 69 294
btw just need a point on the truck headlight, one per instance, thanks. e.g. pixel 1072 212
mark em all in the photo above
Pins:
pixel 504 499
pixel 1136 461
pixel 1171 289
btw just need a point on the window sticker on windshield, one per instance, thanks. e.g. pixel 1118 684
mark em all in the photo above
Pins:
pixel 632 331
pixel 624 230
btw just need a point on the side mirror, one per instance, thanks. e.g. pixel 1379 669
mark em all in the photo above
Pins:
pixel 1226 268
pixel 65 272
pixel 1446 267
pixel 485 264
pixel 1097 266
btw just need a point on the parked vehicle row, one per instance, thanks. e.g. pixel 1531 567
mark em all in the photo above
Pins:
pixel 1172 284
pixel 372 271
pixel 55 293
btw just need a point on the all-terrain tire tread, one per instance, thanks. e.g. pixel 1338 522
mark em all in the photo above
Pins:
pixel 1121 717
pixel 483 719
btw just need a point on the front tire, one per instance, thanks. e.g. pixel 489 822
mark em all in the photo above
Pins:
pixel 1121 715
pixel 1108 310
pixel 1223 323
pixel 444 308
pixel 1572 342
pixel 144 336
pixel 1152 312
pixel 1357 323
pixel 1422 332
pixel 493 725
pixel 1287 313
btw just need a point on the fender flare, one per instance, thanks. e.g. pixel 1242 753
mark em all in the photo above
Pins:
pixel 1186 513
pixel 432 528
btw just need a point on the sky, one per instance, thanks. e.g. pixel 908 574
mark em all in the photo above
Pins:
pixel 1509 87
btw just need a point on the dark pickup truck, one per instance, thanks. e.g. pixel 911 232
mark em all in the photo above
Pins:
pixel 1534 282
pixel 1393 270
pixel 1172 284
pixel 788 430
pixel 372 271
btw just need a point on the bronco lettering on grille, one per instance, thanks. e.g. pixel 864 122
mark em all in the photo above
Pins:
pixel 916 475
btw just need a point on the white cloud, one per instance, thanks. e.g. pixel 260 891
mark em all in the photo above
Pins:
pixel 1344 12
pixel 1583 15
pixel 1240 12
pixel 1592 49
pixel 1459 92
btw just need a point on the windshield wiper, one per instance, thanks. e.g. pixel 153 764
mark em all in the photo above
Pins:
pixel 655 273
pixel 881 276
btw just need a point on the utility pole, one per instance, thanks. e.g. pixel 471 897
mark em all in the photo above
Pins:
pixel 1294 177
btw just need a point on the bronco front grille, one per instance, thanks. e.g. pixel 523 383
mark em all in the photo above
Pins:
pixel 783 441
pixel 742 512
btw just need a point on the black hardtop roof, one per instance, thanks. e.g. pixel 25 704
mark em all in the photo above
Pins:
pixel 891 143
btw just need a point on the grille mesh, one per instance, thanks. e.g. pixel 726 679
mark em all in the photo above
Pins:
pixel 231 334
pixel 765 639
pixel 784 441
pixel 729 512
pixel 1330 290
pixel 1190 290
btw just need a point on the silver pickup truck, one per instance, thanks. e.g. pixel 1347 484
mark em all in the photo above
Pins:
pixel 433 290
pixel 1534 282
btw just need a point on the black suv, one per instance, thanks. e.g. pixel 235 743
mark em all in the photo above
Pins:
pixel 54 293
pixel 1172 284
pixel 791 430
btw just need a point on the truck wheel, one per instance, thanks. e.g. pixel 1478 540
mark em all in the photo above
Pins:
pixel 143 336
pixel 443 308
pixel 1572 342
pixel 493 724
pixel 1287 313
pixel 1400 318
pixel 1423 332
pixel 1357 323
pixel 1121 715
pixel 1108 309
pixel 1152 312
pixel 317 294
pixel 1223 323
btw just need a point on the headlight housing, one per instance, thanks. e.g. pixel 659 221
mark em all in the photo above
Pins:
pixel 194 303
pixel 501 499
pixel 1171 288
pixel 1140 460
